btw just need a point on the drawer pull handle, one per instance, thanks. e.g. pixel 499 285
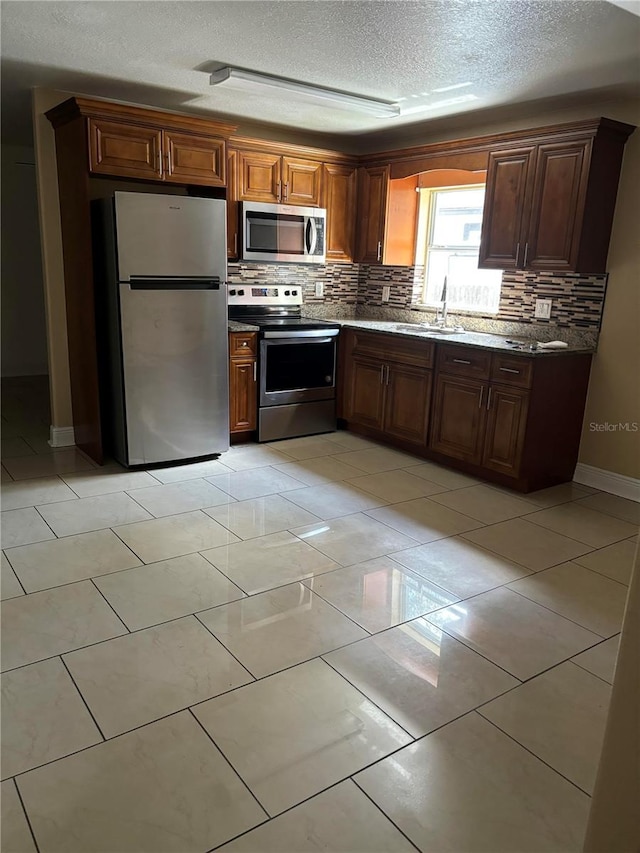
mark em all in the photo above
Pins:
pixel 460 361
pixel 489 398
pixel 255 371
pixel 509 370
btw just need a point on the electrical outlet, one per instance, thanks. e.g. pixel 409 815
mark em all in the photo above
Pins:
pixel 543 309
pixel 386 293
pixel 319 288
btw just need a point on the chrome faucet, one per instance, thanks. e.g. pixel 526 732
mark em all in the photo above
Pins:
pixel 441 313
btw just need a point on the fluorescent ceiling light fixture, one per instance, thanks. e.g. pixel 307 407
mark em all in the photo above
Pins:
pixel 436 105
pixel 251 81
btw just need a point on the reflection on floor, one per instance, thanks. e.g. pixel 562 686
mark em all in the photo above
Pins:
pixel 318 644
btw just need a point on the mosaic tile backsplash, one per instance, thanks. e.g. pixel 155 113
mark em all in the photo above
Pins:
pixel 354 290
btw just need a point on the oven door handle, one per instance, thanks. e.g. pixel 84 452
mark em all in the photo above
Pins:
pixel 320 336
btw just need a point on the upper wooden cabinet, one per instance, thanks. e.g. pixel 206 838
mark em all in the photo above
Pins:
pixel 134 151
pixel 132 142
pixel 549 205
pixel 289 174
pixel 124 149
pixel 339 198
pixel 271 177
pixel 387 217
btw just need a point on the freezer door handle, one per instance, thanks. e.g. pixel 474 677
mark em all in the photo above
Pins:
pixel 139 282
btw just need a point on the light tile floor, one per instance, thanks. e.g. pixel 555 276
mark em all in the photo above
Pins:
pixel 318 644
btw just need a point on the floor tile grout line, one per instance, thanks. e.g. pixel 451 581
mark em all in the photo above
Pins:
pixel 593 547
pixel 382 811
pixel 604 511
pixel 526 748
pixel 595 571
pixel 55 535
pixel 86 704
pixel 546 669
pixel 111 607
pixel 6 556
pixel 546 607
pixel 26 814
pixel 228 650
pixel 210 736
pixel 363 694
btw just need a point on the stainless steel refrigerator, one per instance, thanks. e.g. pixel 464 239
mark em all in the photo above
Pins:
pixel 163 265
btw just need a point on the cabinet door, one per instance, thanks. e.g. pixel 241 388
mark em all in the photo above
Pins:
pixel 339 198
pixel 506 425
pixel 233 248
pixel 116 148
pixel 557 208
pixel 243 394
pixel 406 408
pixel 301 182
pixel 259 176
pixel 194 159
pixel 504 218
pixel 373 185
pixel 458 418
pixel 365 393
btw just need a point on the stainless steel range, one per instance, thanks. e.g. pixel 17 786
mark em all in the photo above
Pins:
pixel 297 361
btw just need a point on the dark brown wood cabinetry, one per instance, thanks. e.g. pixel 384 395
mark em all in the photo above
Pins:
pixel 339 199
pixel 549 205
pixel 387 385
pixel 136 151
pixel 388 215
pixel 513 419
pixel 271 177
pixel 289 174
pixel 243 388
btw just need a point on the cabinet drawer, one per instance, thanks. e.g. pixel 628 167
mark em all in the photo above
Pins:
pixel 243 343
pixel 464 361
pixel 394 348
pixel 508 370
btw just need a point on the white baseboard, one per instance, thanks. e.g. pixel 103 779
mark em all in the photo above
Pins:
pixel 608 481
pixel 61 437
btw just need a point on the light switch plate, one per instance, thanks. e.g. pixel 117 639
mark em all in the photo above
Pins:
pixel 319 288
pixel 543 309
pixel 386 293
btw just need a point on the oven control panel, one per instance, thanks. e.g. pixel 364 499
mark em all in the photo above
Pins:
pixel 250 294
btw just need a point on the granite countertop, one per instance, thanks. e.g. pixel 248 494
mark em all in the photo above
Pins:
pixel 241 327
pixel 480 340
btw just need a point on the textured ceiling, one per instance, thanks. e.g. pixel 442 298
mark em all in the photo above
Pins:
pixel 439 57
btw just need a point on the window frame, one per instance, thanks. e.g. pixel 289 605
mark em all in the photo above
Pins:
pixel 429 200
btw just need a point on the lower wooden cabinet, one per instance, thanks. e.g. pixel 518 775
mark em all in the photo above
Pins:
pixel 516 420
pixel 510 418
pixel 458 418
pixel 479 423
pixel 243 385
pixel 388 385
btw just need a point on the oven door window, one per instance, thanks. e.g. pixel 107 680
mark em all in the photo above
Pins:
pixel 295 366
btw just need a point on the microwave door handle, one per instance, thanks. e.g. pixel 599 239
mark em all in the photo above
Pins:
pixel 311 236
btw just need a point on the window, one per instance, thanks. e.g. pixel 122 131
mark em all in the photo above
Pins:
pixel 453 218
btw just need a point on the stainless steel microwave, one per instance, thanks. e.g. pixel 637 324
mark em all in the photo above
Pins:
pixel 282 232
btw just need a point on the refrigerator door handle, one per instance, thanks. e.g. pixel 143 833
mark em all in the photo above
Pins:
pixel 139 282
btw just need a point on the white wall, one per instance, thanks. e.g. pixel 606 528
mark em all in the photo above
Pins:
pixel 24 344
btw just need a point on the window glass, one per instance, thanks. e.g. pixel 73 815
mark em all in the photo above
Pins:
pixel 453 238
